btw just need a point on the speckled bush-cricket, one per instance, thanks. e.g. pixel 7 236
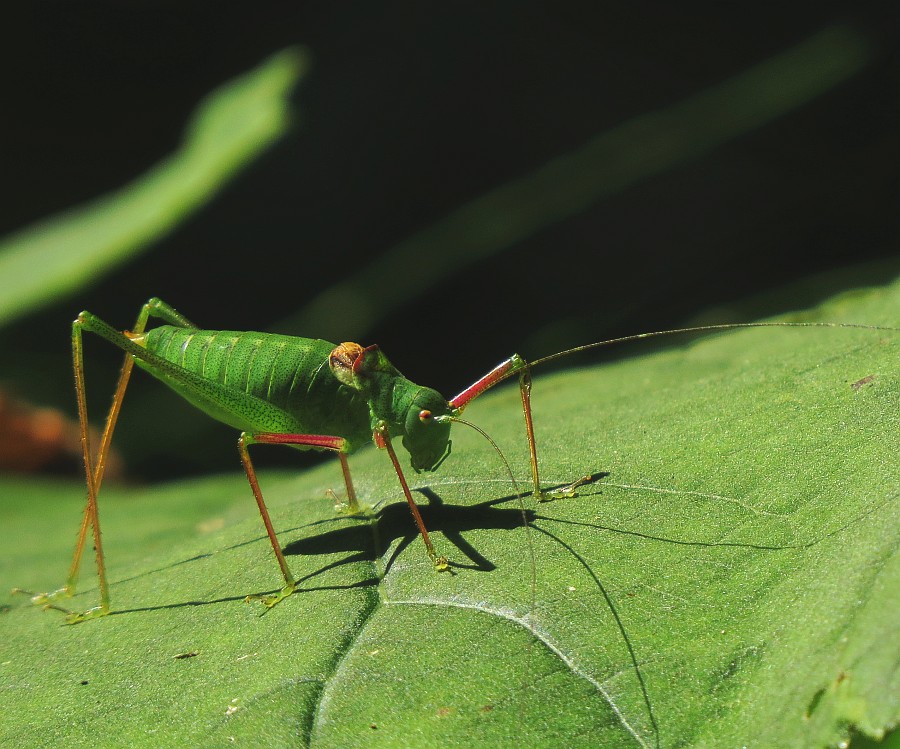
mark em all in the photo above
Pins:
pixel 300 392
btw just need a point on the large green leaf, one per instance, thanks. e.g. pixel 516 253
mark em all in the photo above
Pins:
pixel 732 579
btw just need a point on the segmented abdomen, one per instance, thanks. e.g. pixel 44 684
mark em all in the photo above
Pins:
pixel 288 372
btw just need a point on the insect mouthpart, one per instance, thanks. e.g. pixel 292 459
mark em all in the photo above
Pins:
pixel 433 466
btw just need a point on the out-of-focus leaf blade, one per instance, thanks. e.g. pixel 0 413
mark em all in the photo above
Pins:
pixel 609 163
pixel 230 128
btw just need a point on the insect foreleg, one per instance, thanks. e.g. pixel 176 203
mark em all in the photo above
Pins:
pixel 515 364
pixel 327 442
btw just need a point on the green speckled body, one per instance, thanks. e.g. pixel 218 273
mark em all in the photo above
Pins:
pixel 278 390
pixel 267 383
pixel 261 382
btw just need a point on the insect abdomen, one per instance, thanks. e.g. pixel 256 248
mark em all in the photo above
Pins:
pixel 261 364
pixel 287 372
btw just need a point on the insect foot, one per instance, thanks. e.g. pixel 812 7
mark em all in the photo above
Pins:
pixel 563 492
pixel 40 599
pixel 45 600
pixel 73 617
pixel 441 564
pixel 270 600
pixel 347 507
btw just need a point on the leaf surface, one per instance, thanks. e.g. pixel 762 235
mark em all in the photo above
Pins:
pixel 730 579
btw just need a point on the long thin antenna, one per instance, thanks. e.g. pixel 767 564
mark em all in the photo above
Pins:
pixel 703 329
pixel 519 498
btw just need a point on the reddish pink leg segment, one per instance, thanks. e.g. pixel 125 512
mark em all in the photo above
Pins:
pixel 497 374
pixel 505 369
pixel 323 441
pixel 337 444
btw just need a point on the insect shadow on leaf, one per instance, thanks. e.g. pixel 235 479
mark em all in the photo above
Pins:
pixel 392 522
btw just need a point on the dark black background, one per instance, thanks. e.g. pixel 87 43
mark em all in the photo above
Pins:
pixel 409 111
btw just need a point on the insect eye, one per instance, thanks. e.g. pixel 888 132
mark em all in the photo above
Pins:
pixel 425 415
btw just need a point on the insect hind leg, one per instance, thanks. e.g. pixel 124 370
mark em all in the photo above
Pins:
pixel 94 466
pixel 93 470
pixel 156 307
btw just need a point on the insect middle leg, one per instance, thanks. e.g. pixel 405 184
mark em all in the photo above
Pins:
pixel 339 445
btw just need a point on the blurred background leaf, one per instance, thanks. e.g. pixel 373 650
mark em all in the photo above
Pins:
pixel 478 180
pixel 571 183
pixel 60 255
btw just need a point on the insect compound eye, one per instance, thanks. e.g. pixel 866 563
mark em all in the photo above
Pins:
pixel 425 416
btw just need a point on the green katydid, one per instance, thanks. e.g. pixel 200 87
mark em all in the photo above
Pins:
pixel 305 393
